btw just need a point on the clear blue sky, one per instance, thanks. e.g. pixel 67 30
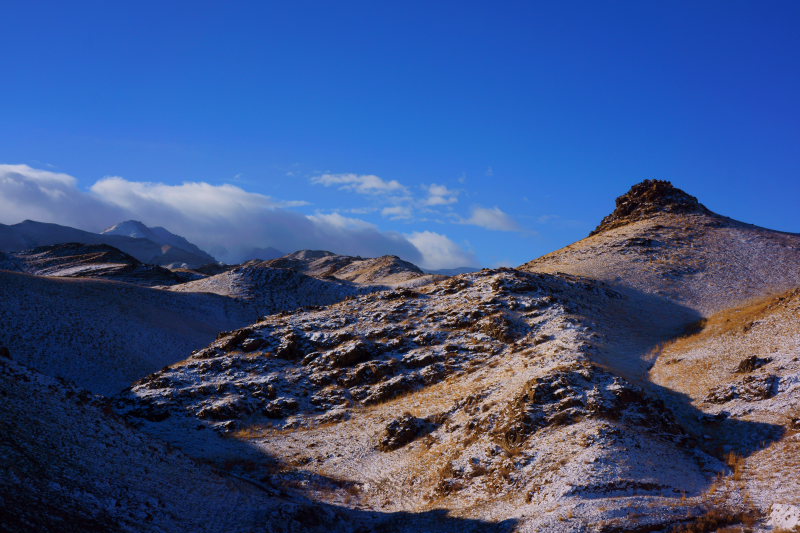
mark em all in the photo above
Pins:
pixel 545 111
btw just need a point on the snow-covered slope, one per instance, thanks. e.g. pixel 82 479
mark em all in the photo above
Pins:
pixel 743 365
pixel 71 466
pixel 270 290
pixel 518 408
pixel 77 260
pixel 387 270
pixel 662 241
pixel 103 334
pixel 68 466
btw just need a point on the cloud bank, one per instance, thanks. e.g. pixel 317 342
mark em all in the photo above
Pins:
pixel 225 220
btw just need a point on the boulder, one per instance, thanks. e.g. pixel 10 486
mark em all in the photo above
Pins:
pixel 400 432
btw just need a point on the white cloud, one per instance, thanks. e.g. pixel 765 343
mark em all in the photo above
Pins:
pixel 400 203
pixel 29 193
pixel 397 212
pixel 492 218
pixel 440 195
pixel 438 251
pixel 226 220
pixel 362 184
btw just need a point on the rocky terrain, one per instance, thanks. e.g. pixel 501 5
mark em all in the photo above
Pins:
pixel 510 403
pixel 646 378
pixel 388 270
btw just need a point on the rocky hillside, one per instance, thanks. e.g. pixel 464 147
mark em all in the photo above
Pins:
pixel 387 270
pixel 70 465
pixel 76 260
pixel 498 395
pixel 662 241
pixel 648 199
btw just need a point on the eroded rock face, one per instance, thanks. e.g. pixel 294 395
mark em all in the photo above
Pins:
pixel 579 392
pixel 648 198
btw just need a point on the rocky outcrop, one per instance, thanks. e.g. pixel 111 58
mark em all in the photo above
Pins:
pixel 649 198
pixel 400 432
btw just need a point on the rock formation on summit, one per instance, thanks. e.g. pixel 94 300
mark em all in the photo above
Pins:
pixel 648 198
pixel 662 241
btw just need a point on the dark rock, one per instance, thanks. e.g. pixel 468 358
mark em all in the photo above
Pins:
pixel 369 372
pixel 391 388
pixel 260 390
pixel 351 353
pixel 231 340
pixel 419 359
pixel 498 327
pixel 290 347
pixel 207 353
pixel 4 352
pixel 400 432
pixel 225 409
pixel 281 407
pixel 399 293
pixel 750 389
pixel 751 363
pixel 253 344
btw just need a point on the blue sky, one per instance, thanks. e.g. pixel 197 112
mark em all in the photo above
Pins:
pixel 526 118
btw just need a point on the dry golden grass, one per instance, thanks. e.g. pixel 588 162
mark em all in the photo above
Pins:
pixel 692 363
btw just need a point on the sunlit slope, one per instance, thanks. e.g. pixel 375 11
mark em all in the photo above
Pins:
pixel 662 241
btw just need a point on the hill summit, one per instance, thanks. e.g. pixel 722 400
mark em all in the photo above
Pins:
pixel 648 198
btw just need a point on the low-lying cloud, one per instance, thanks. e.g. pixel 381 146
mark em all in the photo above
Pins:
pixel 226 220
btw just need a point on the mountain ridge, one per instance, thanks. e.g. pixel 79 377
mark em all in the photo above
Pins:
pixel 32 234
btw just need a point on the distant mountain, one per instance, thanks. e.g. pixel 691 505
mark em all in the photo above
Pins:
pixel 388 270
pixel 177 244
pixel 78 260
pixel 453 271
pixel 31 234
pixel 262 254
